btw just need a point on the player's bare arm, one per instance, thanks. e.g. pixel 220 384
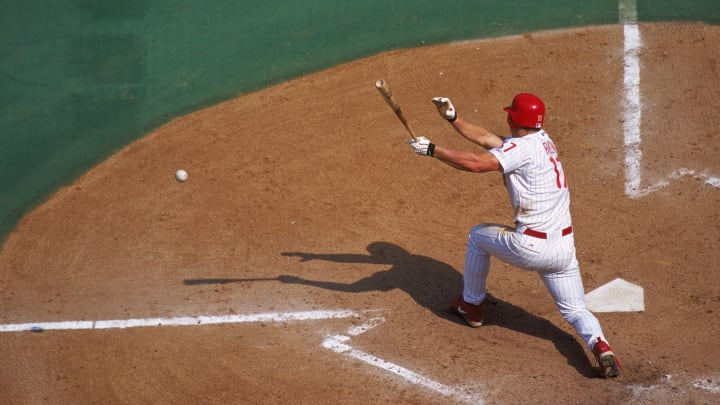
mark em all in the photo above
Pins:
pixel 472 132
pixel 467 161
pixel 476 134
pixel 476 162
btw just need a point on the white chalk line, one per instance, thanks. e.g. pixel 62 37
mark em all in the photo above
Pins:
pixel 677 174
pixel 668 383
pixel 338 344
pixel 708 385
pixel 178 321
pixel 633 154
pixel 633 112
pixel 633 109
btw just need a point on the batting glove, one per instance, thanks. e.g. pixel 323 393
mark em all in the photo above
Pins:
pixel 423 146
pixel 446 108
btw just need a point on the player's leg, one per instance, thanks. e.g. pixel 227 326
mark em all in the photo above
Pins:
pixel 566 288
pixel 468 304
pixel 485 240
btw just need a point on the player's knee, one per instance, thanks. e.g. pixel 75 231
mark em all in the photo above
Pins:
pixel 476 236
pixel 572 315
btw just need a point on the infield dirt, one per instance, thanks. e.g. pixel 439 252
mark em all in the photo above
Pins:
pixel 314 179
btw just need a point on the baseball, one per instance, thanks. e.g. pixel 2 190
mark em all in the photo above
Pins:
pixel 181 175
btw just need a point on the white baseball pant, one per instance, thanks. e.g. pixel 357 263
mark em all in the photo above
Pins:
pixel 553 258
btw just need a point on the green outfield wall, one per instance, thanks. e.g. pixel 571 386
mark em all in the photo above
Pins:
pixel 79 79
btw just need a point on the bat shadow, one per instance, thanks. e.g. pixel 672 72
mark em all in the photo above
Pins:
pixel 209 281
pixel 431 284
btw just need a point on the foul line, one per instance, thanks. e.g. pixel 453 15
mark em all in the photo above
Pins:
pixel 633 111
pixel 179 321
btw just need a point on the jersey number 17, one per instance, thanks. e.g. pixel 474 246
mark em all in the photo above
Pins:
pixel 560 178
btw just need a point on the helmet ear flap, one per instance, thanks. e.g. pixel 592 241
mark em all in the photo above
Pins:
pixel 510 121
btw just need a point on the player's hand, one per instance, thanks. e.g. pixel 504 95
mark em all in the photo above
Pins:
pixel 446 108
pixel 423 146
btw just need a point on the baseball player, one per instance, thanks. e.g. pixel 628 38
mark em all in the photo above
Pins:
pixel 542 238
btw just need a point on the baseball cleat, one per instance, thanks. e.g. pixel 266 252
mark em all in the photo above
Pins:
pixel 608 365
pixel 471 313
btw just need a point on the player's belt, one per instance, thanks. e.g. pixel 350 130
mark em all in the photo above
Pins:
pixel 543 235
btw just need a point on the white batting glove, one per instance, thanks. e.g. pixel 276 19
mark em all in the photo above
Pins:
pixel 423 146
pixel 446 108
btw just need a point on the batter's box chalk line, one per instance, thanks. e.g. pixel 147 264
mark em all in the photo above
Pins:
pixel 341 344
pixel 633 189
pixel 668 384
pixel 337 343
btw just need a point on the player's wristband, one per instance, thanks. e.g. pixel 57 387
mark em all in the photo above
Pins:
pixel 431 150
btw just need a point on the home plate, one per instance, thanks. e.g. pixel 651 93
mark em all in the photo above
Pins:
pixel 616 296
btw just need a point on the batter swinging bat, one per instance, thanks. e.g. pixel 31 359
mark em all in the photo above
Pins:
pixel 388 96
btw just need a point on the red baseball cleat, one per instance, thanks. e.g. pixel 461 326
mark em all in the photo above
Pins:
pixel 608 365
pixel 471 313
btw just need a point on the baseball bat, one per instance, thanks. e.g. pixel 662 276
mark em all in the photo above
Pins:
pixel 387 94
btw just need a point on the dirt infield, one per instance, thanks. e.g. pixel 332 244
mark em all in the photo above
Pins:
pixel 304 198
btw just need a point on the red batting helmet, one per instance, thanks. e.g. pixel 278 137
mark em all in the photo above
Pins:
pixel 527 110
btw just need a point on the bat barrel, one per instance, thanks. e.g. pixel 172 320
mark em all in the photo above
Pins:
pixel 384 90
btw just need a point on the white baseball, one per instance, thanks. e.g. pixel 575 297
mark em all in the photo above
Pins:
pixel 181 175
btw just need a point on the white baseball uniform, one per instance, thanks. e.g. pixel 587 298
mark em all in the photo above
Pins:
pixel 542 239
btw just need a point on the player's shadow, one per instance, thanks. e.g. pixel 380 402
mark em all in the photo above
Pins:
pixel 431 283
pixel 428 281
